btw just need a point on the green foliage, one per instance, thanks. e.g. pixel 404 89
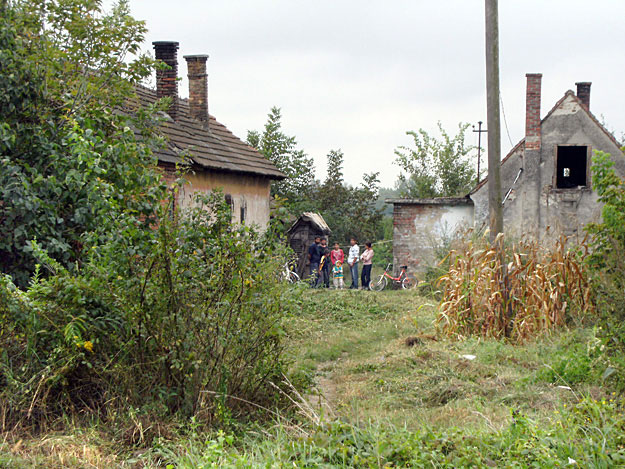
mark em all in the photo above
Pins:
pixel 72 168
pixel 282 151
pixel 349 211
pixel 194 325
pixel 436 168
pixel 588 434
pixel 608 264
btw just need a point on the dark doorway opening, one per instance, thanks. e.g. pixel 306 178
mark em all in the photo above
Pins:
pixel 571 167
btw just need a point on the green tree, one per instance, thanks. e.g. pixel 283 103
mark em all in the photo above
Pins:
pixel 436 167
pixel 72 170
pixel 282 151
pixel 349 211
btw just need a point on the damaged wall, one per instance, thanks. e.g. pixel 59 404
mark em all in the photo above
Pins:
pixel 537 206
pixel 422 226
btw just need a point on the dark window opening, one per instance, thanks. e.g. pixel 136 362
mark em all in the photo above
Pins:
pixel 243 212
pixel 229 201
pixel 571 167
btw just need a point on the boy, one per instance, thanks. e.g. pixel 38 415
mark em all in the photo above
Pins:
pixel 352 260
pixel 314 257
pixel 337 273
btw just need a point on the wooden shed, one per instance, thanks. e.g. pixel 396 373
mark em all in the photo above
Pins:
pixel 302 234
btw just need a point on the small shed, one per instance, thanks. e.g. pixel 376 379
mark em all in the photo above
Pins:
pixel 302 234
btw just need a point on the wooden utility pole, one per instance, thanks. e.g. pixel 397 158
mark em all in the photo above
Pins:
pixel 495 209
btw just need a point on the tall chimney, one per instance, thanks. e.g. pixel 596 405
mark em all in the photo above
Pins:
pixel 198 87
pixel 532 111
pixel 583 93
pixel 167 80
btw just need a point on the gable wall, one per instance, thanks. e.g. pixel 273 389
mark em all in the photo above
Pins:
pixel 535 206
pixel 569 210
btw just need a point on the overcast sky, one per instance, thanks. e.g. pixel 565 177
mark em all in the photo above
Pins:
pixel 356 75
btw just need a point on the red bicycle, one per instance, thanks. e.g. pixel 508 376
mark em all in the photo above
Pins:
pixel 402 279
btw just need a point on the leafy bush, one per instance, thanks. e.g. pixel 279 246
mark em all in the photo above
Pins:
pixel 70 166
pixel 530 291
pixel 192 326
pixel 607 263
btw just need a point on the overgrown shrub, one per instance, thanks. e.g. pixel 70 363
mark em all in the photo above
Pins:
pixel 607 264
pixel 191 326
pixel 531 290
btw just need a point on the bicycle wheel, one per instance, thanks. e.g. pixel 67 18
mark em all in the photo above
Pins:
pixel 293 277
pixel 378 285
pixel 406 283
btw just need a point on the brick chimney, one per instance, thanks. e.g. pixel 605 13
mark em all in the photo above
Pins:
pixel 583 93
pixel 167 80
pixel 198 87
pixel 532 111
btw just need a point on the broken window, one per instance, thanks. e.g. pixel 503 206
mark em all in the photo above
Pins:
pixel 571 166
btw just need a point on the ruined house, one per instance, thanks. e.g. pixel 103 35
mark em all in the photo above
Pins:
pixel 217 158
pixel 302 234
pixel 545 178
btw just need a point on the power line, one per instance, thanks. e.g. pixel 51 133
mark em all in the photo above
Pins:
pixel 503 111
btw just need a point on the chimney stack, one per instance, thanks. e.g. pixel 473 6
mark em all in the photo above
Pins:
pixel 532 112
pixel 198 88
pixel 167 80
pixel 583 93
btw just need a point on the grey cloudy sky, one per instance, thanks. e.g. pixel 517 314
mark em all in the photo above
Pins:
pixel 357 75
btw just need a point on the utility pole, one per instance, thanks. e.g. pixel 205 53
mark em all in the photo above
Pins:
pixel 479 148
pixel 495 209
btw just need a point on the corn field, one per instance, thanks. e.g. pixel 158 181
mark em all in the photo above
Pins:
pixel 516 291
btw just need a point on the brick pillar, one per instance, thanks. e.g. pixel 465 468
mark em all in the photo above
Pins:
pixel 167 79
pixel 531 184
pixel 532 111
pixel 583 93
pixel 198 87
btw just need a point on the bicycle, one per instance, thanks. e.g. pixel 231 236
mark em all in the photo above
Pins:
pixel 402 279
pixel 288 274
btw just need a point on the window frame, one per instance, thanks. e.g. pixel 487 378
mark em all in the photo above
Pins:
pixel 556 166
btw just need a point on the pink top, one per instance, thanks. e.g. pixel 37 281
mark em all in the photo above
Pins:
pixel 367 256
pixel 337 255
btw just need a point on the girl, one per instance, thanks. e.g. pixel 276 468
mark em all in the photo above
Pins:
pixel 366 257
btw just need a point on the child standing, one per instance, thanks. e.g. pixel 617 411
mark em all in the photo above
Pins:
pixel 337 273
pixel 337 254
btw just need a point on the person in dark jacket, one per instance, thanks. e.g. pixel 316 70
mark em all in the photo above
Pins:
pixel 325 264
pixel 314 257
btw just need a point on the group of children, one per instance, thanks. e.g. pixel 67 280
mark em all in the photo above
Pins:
pixel 321 257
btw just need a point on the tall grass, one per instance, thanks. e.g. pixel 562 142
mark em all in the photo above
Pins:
pixel 518 290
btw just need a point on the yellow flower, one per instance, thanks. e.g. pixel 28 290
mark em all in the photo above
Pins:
pixel 88 345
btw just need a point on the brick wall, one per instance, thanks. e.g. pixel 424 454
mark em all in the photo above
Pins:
pixel 198 87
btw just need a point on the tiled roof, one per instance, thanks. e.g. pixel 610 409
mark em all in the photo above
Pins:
pixel 214 149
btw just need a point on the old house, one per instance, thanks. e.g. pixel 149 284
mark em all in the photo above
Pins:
pixel 302 234
pixel 546 183
pixel 217 158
